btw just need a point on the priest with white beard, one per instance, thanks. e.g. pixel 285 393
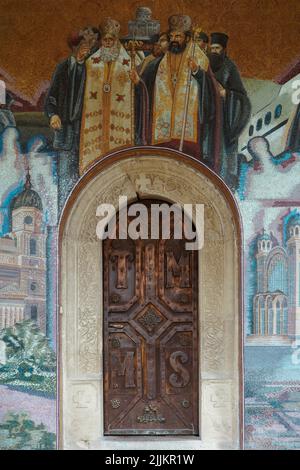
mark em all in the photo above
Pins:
pixel 107 116
pixel 90 104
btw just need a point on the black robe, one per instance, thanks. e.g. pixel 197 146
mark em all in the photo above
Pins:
pixel 293 142
pixel 205 149
pixel 65 99
pixel 236 112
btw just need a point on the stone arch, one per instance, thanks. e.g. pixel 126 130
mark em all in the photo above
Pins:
pixel 155 174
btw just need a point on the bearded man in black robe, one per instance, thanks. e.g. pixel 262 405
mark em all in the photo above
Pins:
pixel 293 141
pixel 164 115
pixel 235 107
pixel 63 107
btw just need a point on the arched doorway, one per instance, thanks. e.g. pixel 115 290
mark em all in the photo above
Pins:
pixel 164 175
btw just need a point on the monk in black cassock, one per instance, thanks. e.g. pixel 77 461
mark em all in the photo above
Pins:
pixel 235 107
pixel 63 107
pixel 161 93
pixel 293 141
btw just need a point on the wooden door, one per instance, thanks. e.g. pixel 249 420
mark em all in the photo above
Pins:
pixel 150 337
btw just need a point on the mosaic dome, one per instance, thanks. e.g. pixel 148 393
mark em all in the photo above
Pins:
pixel 27 198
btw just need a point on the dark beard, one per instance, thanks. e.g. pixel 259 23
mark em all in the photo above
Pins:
pixel 176 48
pixel 216 60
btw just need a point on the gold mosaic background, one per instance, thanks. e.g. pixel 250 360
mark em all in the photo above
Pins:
pixel 264 34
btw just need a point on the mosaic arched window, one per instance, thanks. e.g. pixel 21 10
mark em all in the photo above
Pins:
pixel 278 317
pixel 33 313
pixel 277 274
pixel 285 318
pixel 28 220
pixel 262 316
pixel 270 317
pixel 256 326
pixel 32 246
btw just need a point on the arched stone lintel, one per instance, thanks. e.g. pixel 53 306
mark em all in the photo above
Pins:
pixel 166 175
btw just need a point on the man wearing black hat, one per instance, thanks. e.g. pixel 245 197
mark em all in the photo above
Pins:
pixel 160 47
pixel 63 107
pixel 202 40
pixel 235 106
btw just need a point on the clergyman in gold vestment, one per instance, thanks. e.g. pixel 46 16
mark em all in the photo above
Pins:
pixel 162 90
pixel 108 108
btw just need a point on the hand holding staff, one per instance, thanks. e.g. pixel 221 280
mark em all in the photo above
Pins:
pixel 192 67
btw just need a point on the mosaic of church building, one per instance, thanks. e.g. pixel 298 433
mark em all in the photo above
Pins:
pixel 277 299
pixel 23 263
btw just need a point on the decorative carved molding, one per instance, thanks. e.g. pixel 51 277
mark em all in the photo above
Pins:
pixel 213 304
pixel 159 178
pixel 214 348
pixel 88 312
pixel 88 346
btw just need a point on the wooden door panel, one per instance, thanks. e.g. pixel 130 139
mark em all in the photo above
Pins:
pixel 122 281
pixel 150 337
pixel 176 283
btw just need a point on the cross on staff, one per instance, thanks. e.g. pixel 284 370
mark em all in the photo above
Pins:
pixel 196 31
pixel 132 47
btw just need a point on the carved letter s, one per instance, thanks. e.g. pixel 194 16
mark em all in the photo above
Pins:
pixel 182 378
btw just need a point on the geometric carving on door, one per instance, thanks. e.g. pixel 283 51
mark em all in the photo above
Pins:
pixel 150 337
pixel 150 319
